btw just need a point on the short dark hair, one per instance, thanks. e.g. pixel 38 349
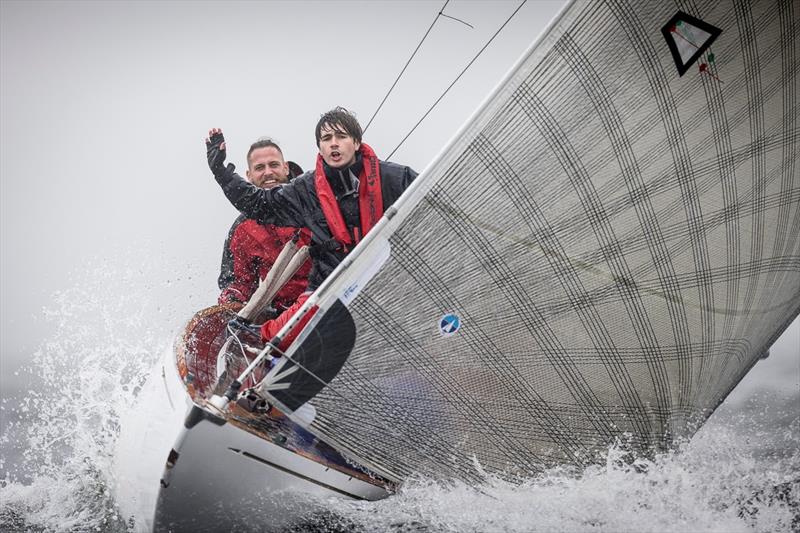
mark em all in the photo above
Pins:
pixel 342 120
pixel 264 142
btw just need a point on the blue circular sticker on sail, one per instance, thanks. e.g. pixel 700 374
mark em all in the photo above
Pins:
pixel 449 324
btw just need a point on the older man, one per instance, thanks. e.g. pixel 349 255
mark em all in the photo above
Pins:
pixel 251 248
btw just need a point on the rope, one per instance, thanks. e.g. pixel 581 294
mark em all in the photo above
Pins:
pixel 456 80
pixel 406 65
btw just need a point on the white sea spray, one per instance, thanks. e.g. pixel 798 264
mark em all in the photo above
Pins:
pixel 740 473
pixel 99 341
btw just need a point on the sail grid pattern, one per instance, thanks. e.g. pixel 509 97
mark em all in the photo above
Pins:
pixel 618 243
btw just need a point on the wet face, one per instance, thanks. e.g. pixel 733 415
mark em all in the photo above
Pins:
pixel 336 147
pixel 266 168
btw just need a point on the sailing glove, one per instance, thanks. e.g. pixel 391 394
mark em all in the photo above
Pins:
pixel 216 155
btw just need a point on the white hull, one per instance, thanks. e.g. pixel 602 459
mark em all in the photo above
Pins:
pixel 225 477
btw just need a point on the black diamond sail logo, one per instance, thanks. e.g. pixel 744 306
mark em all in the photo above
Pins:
pixel 687 39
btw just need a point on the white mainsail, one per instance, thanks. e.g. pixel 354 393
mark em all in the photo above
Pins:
pixel 603 251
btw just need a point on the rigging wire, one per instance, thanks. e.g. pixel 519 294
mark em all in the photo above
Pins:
pixel 409 61
pixel 457 78
pixel 453 18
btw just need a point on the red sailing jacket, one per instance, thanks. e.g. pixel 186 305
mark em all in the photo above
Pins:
pixel 254 249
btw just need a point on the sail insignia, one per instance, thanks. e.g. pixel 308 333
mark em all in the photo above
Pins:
pixel 449 324
pixel 688 38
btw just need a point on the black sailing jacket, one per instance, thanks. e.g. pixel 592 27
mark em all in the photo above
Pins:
pixel 296 204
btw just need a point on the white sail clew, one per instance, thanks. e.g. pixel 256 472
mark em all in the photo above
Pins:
pixel 609 244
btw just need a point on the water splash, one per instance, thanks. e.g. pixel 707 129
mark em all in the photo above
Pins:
pixel 741 473
pixel 58 438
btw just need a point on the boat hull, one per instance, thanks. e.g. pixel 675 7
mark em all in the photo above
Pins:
pixel 220 475
pixel 243 470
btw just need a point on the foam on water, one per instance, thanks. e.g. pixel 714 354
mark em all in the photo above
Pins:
pixel 741 472
pixel 719 481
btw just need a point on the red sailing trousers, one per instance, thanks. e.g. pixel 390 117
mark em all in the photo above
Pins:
pixel 271 327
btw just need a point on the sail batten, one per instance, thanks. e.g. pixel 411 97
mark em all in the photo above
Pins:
pixel 601 253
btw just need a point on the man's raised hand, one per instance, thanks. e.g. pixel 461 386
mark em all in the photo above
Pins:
pixel 215 151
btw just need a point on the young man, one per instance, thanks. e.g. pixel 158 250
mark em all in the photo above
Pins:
pixel 339 201
pixel 252 248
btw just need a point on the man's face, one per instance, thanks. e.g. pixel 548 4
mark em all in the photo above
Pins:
pixel 266 168
pixel 336 147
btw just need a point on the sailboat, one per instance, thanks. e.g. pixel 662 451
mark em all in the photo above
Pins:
pixel 600 254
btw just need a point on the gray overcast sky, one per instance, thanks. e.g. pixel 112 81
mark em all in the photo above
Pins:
pixel 105 106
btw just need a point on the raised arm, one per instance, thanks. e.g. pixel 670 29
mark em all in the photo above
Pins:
pixel 266 206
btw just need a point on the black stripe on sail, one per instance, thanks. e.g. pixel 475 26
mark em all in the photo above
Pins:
pixel 684 174
pixel 726 166
pixel 574 290
pixel 319 357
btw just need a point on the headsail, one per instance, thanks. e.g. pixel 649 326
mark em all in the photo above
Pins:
pixel 605 249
